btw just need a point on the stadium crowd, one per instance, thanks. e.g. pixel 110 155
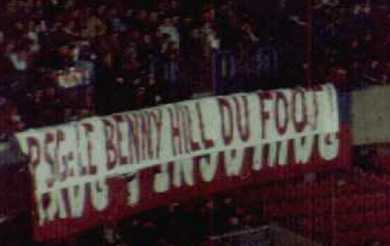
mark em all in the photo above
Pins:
pixel 59 56
pixel 63 60
pixel 351 42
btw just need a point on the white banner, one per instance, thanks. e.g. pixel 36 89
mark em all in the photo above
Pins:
pixel 98 148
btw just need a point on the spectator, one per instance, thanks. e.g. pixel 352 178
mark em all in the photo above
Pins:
pixel 125 42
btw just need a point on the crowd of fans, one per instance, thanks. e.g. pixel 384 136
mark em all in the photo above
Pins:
pixel 62 60
pixel 351 41
pixel 65 59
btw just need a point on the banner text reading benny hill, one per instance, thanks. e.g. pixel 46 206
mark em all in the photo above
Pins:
pixel 99 169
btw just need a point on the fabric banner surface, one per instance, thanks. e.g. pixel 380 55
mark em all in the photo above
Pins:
pixel 371 115
pixel 102 169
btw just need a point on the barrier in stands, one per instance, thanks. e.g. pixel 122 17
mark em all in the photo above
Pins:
pixel 247 70
pixel 103 169
pixel 262 236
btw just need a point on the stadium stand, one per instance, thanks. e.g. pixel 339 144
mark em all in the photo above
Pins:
pixel 71 59
pixel 65 60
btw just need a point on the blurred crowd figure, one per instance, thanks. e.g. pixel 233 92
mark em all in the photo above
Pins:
pixel 351 42
pixel 63 60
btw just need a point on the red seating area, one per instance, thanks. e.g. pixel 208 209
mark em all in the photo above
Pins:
pixel 346 211
pixel 350 208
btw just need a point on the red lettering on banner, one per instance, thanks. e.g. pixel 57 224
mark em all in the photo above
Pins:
pixel 76 197
pixel 33 143
pixel 92 169
pixel 299 124
pixel 63 159
pixel 183 173
pixel 81 171
pixel 281 107
pixel 147 151
pixel 134 142
pixel 244 131
pixel 208 165
pixel 159 124
pixel 109 132
pixel 207 142
pixel 264 113
pixel 303 149
pixel 123 160
pixel 226 113
pixel 49 140
pixel 316 110
pixel 329 145
pixel 195 146
pixel 53 205
pixel 185 127
pixel 145 138
pixel 70 202
pixel 176 132
pixel 233 160
pixel 161 179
